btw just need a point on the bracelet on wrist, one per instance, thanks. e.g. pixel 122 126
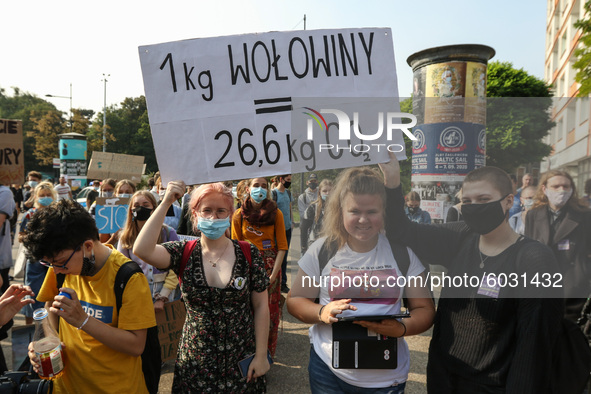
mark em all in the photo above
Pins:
pixel 320 313
pixel 85 321
pixel 403 325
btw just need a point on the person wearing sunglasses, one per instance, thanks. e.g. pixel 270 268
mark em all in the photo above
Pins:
pixel 103 344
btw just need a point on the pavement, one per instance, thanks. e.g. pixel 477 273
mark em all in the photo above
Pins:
pixel 289 372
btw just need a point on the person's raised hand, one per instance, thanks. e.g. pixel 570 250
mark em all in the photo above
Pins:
pixel 174 191
pixel 391 171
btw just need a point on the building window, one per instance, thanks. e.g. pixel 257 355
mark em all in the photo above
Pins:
pixel 584 104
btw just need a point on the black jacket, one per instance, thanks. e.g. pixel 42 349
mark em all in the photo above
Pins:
pixel 571 244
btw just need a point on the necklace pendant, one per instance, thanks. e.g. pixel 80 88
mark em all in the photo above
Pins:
pixel 214 265
pixel 481 264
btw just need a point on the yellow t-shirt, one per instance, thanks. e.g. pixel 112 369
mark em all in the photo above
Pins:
pixel 91 366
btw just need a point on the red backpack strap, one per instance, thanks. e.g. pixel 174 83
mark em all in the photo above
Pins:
pixel 245 246
pixel 188 249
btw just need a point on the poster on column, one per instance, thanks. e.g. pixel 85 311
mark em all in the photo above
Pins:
pixel 448 148
pixel 475 106
pixel 220 108
pixel 12 161
pixel 444 89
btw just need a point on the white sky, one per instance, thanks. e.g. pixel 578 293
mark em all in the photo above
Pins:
pixel 46 45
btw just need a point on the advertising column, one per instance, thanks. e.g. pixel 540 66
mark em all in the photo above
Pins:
pixel 72 147
pixel 449 101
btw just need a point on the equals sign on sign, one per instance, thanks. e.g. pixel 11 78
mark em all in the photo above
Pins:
pixel 267 106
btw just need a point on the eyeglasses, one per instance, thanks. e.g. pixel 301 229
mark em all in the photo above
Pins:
pixel 220 213
pixel 48 264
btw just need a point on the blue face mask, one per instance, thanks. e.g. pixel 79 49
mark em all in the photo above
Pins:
pixel 33 183
pixel 258 194
pixel 45 201
pixel 324 197
pixel 213 228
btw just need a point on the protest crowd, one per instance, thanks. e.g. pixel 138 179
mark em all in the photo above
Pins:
pixel 123 276
pixel 223 259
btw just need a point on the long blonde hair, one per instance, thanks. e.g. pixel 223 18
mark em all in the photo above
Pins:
pixel 44 186
pixel 130 231
pixel 358 181
pixel 124 182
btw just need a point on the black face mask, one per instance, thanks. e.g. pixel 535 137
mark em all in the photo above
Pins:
pixel 286 184
pixel 413 210
pixel 313 186
pixel 141 213
pixel 88 266
pixel 484 218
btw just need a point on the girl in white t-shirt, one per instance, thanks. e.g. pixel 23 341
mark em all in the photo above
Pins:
pixel 354 222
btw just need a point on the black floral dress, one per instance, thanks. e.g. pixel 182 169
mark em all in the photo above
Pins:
pixel 219 327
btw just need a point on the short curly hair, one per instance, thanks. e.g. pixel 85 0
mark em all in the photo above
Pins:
pixel 61 226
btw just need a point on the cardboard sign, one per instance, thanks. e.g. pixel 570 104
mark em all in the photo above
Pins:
pixel 110 214
pixel 170 323
pixel 105 165
pixel 12 160
pixel 220 108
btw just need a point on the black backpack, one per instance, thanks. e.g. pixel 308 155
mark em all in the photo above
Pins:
pixel 152 356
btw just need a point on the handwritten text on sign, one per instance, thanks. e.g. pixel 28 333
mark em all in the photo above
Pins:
pixel 220 108
pixel 170 328
pixel 110 214
pixel 12 164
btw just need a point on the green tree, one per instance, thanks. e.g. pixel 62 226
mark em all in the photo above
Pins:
pixel 45 132
pixel 518 117
pixel 583 52
pixel 128 131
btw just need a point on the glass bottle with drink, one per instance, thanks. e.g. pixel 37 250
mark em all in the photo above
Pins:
pixel 47 346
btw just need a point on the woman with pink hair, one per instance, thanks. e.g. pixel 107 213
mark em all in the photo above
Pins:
pixel 224 293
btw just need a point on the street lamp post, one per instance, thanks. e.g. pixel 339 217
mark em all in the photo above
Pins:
pixel 105 114
pixel 68 97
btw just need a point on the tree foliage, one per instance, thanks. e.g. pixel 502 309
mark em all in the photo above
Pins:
pixel 45 131
pixel 583 52
pixel 128 130
pixel 518 117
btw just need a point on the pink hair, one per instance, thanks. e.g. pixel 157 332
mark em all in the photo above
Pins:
pixel 203 191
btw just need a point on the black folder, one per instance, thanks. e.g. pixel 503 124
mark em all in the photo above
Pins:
pixel 355 347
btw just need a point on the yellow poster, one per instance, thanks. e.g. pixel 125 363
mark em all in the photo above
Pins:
pixel 444 92
pixel 475 106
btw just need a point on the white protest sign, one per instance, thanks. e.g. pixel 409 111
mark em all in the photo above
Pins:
pixel 435 208
pixel 220 108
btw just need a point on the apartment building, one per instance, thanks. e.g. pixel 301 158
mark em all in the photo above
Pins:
pixel 571 137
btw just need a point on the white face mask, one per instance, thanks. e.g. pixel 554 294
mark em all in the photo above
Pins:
pixel 558 198
pixel 528 203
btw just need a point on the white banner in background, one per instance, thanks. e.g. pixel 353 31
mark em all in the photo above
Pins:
pixel 220 108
